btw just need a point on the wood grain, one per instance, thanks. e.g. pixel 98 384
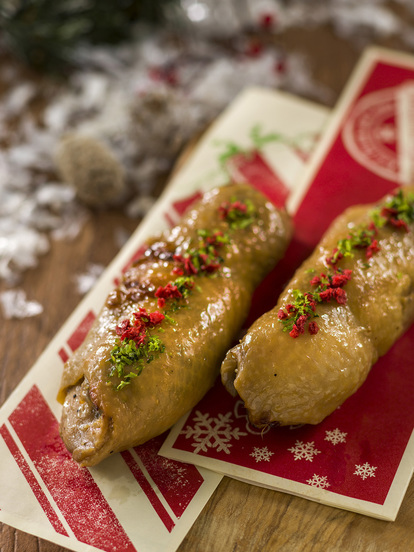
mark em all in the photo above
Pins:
pixel 238 517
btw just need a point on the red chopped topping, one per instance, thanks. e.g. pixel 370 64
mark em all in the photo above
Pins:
pixel 335 257
pixel 333 293
pixel 170 291
pixel 122 326
pixel 388 212
pixel 373 228
pixel 340 296
pixel 204 259
pixel 212 240
pixel 155 318
pixel 391 214
pixel 372 248
pixel 300 323
pixel 226 208
pixel 316 281
pixel 313 328
pixel 148 319
pixel 127 331
pixel 187 266
pixel 282 314
pixel 399 223
pixel 178 270
pixel 330 286
pixel 161 302
pixel 136 331
pixel 295 332
pixel 207 264
pixel 311 301
pixel 340 278
pixel 299 326
pixel 326 295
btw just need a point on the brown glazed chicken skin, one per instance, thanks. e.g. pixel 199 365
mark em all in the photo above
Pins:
pixel 285 380
pixel 98 419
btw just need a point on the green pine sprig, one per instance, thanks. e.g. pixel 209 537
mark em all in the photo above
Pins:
pixel 45 33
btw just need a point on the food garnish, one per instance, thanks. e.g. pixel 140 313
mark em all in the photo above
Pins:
pixel 398 211
pixel 135 346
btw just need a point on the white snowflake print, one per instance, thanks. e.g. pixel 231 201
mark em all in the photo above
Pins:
pixel 261 454
pixel 305 451
pixel 365 470
pixel 209 432
pixel 335 436
pixel 320 481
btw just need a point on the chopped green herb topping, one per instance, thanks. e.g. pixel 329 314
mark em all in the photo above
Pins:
pixel 185 285
pixel 239 214
pixel 135 347
pixel 398 211
pixel 295 314
pixel 203 259
pixel 363 237
pixel 128 353
pixel 180 288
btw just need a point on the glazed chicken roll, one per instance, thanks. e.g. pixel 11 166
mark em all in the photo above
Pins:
pixel 157 345
pixel 345 306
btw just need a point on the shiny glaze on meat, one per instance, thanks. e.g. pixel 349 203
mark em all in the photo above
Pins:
pixel 98 420
pixel 290 381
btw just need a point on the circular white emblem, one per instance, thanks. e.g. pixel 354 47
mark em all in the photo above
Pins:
pixel 370 133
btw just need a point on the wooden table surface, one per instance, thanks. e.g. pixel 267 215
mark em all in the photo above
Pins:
pixel 238 517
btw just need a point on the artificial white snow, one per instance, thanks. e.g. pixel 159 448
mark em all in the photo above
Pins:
pixel 212 18
pixel 72 221
pixel 20 248
pixel 145 99
pixel 54 195
pixel 138 207
pixel 18 98
pixel 375 18
pixel 16 305
pixel 86 281
pixel 24 155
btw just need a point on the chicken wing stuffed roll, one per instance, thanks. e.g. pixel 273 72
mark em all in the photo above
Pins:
pixel 345 306
pixel 157 345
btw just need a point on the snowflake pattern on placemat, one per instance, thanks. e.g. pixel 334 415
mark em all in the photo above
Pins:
pixel 210 432
pixel 320 481
pixel 304 451
pixel 365 470
pixel 335 436
pixel 261 454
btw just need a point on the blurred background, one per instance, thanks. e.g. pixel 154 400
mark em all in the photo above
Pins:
pixel 98 100
pixel 99 97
